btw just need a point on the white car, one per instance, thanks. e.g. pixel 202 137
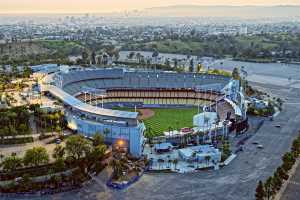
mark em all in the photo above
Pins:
pixel 260 146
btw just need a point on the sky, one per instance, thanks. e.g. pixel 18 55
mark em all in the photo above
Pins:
pixel 91 6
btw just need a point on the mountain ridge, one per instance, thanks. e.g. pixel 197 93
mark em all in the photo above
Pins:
pixel 250 11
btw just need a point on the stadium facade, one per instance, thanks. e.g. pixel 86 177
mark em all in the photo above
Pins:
pixel 81 91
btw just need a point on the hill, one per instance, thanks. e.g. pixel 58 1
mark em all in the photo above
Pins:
pixel 37 51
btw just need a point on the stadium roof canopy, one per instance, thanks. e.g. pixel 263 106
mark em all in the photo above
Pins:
pixel 77 104
pixel 236 108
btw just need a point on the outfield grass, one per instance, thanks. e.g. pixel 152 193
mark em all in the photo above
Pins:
pixel 165 118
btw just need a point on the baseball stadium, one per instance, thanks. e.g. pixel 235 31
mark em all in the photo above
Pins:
pixel 130 105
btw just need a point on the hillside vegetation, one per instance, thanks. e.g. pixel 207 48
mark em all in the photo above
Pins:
pixel 35 52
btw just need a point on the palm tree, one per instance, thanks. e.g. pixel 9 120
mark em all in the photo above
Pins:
pixel 13 131
pixel 169 161
pixel 58 152
pixel 151 161
pixel 160 161
pixel 138 57
pixel 117 167
pixel 52 118
pixel 200 135
pixel 106 132
pixel 207 159
pixel 194 155
pixel 175 162
pixel 151 147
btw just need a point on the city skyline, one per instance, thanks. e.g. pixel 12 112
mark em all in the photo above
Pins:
pixel 95 6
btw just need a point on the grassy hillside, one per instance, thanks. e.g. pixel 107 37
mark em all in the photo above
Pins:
pixel 20 49
pixel 169 46
pixel 38 51
pixel 63 47
pixel 254 47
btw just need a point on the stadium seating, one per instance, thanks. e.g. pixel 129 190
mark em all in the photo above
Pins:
pixel 159 87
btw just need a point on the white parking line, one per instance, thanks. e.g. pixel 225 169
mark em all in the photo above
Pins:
pixel 294 183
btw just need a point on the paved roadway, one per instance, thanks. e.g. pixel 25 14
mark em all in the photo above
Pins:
pixel 234 182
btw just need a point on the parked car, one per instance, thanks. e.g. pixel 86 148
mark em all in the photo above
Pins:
pixel 260 146
pixel 58 141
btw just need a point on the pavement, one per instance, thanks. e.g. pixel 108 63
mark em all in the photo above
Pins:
pixel 20 149
pixel 292 191
pixel 239 179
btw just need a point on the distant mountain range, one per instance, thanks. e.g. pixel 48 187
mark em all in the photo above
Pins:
pixel 283 11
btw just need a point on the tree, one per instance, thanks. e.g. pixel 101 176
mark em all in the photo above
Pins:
pixel 23 129
pixel 155 56
pixel 99 60
pixel 199 67
pixel 236 74
pixel 167 62
pixel 77 146
pixel 207 159
pixel 288 161
pixel 131 54
pixel 138 57
pixel 226 150
pixel 27 72
pixel 85 56
pixel 296 147
pixel 117 167
pixel 15 70
pixel 260 192
pixel 105 59
pixel 160 162
pixel 117 54
pixel 36 156
pixel 26 181
pixel 98 152
pixel 281 173
pixel 98 139
pixel 12 163
pixel 175 162
pixel 58 152
pixel 194 156
pixel 59 164
pixel 175 63
pixel 191 67
pixel 106 132
pixel 277 182
pixel 268 186
pixel 93 57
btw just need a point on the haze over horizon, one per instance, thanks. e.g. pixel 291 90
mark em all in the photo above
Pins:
pixel 96 6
